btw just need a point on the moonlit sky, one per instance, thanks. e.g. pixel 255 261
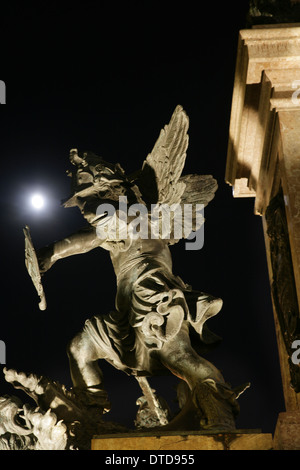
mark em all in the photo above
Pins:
pixel 87 78
pixel 37 201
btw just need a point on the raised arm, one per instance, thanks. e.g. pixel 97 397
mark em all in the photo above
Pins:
pixel 80 242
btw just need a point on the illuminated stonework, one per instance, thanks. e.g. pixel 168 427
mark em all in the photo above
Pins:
pixel 263 162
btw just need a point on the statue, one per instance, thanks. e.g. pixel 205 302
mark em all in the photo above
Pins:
pixel 148 332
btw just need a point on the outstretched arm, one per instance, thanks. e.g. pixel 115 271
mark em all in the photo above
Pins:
pixel 80 242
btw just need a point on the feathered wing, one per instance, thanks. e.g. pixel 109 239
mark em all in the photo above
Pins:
pixel 199 189
pixel 161 171
pixel 160 180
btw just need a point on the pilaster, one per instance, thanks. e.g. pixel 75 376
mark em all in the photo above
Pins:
pixel 263 162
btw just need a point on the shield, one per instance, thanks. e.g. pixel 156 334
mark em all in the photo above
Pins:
pixel 32 265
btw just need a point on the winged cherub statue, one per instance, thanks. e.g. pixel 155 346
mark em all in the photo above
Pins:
pixel 149 331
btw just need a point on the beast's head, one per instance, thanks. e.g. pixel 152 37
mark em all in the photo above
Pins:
pixel 93 177
pixel 95 181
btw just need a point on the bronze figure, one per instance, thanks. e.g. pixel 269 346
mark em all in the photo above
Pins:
pixel 148 332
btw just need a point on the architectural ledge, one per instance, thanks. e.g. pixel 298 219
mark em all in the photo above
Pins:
pixel 185 440
pixel 267 82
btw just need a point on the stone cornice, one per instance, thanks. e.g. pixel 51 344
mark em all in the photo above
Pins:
pixel 267 77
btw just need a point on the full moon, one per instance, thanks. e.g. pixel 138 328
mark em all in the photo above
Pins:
pixel 37 201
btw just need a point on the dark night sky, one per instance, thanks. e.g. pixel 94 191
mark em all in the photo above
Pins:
pixel 107 80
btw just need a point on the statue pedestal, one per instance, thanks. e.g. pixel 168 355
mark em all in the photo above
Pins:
pixel 184 440
pixel 287 435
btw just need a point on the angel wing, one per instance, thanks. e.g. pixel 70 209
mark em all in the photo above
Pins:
pixel 199 189
pixel 159 178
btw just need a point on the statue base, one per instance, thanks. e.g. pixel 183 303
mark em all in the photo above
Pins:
pixel 287 432
pixel 241 439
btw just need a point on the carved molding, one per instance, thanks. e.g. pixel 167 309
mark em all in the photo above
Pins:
pixel 283 283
